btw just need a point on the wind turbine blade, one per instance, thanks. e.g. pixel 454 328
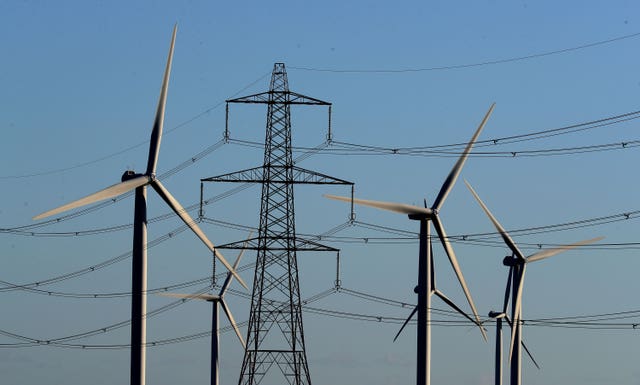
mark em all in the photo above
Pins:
pixel 455 171
pixel 158 123
pixel 456 267
pixel 517 304
pixel 233 322
pixel 551 252
pixel 205 297
pixel 389 206
pixel 413 312
pixel 446 300
pixel 530 356
pixel 505 236
pixel 227 281
pixel 433 266
pixel 507 291
pixel 186 218
pixel 109 192
pixel 525 346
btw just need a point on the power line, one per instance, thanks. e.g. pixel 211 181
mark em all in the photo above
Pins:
pixel 535 135
pixel 149 244
pixel 408 235
pixel 53 293
pixel 590 322
pixel 63 341
pixel 111 327
pixel 26 229
pixel 406 70
pixel 339 148
pixel 470 65
pixel 127 149
pixel 404 236
pixel 351 149
pixel 192 160
pixel 95 267
pixel 102 230
pixel 361 149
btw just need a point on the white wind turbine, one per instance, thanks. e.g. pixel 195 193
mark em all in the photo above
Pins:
pixel 139 182
pixel 499 316
pixel 217 301
pixel 426 274
pixel 517 267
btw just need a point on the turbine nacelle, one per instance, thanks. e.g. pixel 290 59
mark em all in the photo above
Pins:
pixel 422 216
pixel 128 175
pixel 497 315
pixel 511 261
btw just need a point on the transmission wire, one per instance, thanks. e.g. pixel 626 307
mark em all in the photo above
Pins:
pixel 469 65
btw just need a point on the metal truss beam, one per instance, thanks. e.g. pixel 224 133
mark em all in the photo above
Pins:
pixel 271 97
pixel 257 175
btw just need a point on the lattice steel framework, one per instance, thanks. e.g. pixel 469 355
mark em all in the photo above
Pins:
pixel 275 336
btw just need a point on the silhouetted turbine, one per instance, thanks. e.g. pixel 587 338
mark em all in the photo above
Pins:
pixel 426 274
pixel 499 316
pixel 131 181
pixel 217 301
pixel 517 266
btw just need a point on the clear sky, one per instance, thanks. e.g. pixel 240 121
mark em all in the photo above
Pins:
pixel 79 83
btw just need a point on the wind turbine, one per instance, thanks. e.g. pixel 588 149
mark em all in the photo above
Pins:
pixel 499 316
pixel 426 274
pixel 517 267
pixel 217 301
pixel 139 182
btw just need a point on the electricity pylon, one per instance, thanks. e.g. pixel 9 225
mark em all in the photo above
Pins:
pixel 275 336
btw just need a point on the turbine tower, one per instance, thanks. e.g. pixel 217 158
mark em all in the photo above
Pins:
pixel 275 336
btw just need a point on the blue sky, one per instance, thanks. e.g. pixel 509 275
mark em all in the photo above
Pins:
pixel 79 86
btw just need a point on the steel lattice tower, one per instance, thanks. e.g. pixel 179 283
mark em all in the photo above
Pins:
pixel 275 336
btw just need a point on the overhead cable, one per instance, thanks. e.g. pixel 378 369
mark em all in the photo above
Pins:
pixel 127 149
pixel 469 65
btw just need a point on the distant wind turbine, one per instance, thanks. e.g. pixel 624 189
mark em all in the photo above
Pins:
pixel 426 273
pixel 499 316
pixel 517 267
pixel 217 301
pixel 131 181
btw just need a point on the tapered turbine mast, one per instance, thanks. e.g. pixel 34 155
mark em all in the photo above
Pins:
pixel 139 182
pixel 217 301
pixel 426 274
pixel 517 266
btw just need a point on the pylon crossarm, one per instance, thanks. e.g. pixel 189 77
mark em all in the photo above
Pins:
pixel 258 175
pixel 290 97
